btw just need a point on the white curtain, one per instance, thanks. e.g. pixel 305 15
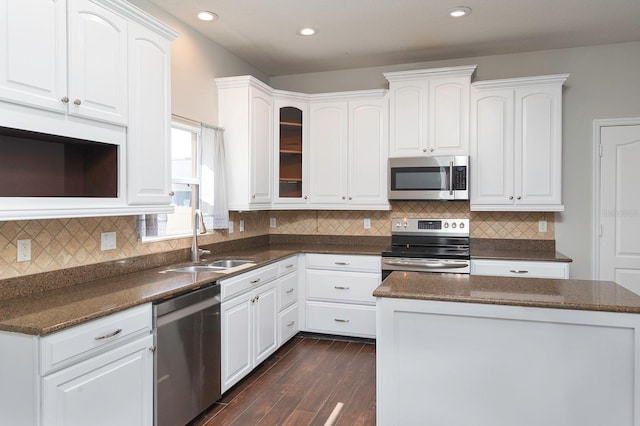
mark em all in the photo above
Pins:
pixel 213 187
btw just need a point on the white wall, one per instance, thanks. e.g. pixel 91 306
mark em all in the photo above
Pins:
pixel 603 84
pixel 196 62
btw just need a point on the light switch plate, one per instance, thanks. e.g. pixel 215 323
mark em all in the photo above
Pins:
pixel 542 226
pixel 241 226
pixel 24 250
pixel 272 222
pixel 107 241
pixel 367 223
pixel 231 227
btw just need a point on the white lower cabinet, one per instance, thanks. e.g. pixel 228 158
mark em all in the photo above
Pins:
pixel 520 268
pixel 256 315
pixel 338 294
pixel 98 373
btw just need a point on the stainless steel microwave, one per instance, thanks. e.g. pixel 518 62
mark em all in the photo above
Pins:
pixel 429 178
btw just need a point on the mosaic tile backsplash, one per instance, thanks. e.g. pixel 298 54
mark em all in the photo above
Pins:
pixel 64 243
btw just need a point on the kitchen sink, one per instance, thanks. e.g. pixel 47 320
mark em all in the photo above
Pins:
pixel 217 265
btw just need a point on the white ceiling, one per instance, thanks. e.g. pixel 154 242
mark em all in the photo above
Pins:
pixel 363 33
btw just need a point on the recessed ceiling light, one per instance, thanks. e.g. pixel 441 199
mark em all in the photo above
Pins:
pixel 205 15
pixel 460 11
pixel 307 31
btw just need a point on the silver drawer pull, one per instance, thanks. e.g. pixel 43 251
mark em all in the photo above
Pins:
pixel 289 266
pixel 257 280
pixel 290 323
pixel 113 333
pixel 289 291
pixel 340 320
pixel 339 287
pixel 342 263
pixel 519 271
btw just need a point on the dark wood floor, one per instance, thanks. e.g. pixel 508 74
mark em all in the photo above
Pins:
pixel 301 384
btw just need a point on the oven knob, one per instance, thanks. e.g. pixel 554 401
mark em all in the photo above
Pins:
pixel 446 224
pixel 453 225
pixel 461 225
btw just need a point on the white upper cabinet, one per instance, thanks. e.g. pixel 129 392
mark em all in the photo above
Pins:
pixel 516 144
pixel 97 81
pixel 33 53
pixel 65 57
pixel 429 111
pixel 149 133
pixel 245 110
pixel 348 142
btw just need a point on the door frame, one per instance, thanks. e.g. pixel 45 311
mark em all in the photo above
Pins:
pixel 598 124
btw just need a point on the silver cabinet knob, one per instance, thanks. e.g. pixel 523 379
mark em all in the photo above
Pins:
pixel 431 150
pixel 305 197
pixel 519 197
pixel 65 100
pixel 350 198
pixel 344 198
pixel 424 149
pixel 77 102
pixel 253 195
pixel 511 197
pixel 171 193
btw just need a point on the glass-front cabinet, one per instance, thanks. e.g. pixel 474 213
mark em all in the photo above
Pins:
pixel 291 130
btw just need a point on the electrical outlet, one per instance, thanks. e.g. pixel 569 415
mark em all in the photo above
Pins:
pixel 272 222
pixel 542 226
pixel 241 225
pixel 107 241
pixel 231 227
pixel 24 250
pixel 367 223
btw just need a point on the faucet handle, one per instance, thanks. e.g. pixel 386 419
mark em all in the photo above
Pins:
pixel 203 251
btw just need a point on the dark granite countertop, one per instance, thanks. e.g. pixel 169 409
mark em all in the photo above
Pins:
pixel 48 311
pixel 531 292
pixel 508 249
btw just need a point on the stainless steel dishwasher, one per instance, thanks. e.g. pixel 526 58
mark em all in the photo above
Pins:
pixel 187 357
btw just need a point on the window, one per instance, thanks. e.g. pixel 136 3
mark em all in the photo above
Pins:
pixel 185 184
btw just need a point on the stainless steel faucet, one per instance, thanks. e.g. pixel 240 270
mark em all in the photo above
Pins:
pixel 196 251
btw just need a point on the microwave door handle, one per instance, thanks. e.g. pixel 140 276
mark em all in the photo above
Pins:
pixel 450 177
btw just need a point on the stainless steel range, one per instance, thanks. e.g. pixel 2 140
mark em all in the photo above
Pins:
pixel 428 245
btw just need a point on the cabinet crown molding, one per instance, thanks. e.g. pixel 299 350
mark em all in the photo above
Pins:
pixel 520 82
pixel 242 81
pixel 132 12
pixel 461 71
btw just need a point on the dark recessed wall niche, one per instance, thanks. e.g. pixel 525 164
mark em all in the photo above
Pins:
pixel 40 165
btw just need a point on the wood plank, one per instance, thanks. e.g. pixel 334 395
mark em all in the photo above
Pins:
pixel 299 418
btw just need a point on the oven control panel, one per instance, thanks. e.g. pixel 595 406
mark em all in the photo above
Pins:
pixel 430 226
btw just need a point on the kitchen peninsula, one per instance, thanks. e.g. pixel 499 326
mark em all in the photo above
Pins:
pixel 484 350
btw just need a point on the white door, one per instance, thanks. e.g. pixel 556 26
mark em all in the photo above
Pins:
pixel 235 320
pixel 265 317
pixel 620 206
pixel 261 129
pixel 368 142
pixel 449 118
pixel 113 388
pixel 328 153
pixel 33 53
pixel 408 118
pixel 97 63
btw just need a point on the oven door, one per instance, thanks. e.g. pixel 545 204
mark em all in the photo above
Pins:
pixel 413 264
pixel 432 178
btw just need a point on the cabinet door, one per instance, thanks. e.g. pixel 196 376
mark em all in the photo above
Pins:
pixel 265 317
pixel 368 141
pixel 33 53
pixel 148 141
pixel 408 118
pixel 236 356
pixel 97 63
pixel 328 151
pixel 291 156
pixel 449 117
pixel 538 148
pixel 114 388
pixel 261 147
pixel 492 121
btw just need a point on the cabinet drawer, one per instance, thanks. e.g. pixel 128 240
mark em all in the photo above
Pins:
pixel 518 268
pixel 354 287
pixel 288 324
pixel 287 265
pixel 339 262
pixel 287 291
pixel 244 282
pixel 342 319
pixel 77 343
